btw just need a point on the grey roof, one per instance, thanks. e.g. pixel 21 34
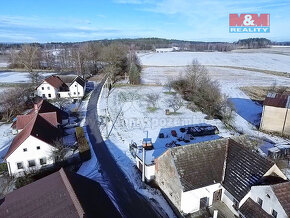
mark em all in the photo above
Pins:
pixel 79 80
pixel 251 209
pixel 219 161
pixel 200 164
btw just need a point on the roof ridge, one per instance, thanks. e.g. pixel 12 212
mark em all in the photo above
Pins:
pixel 72 193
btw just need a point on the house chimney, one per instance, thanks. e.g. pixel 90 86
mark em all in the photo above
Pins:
pixel 36 108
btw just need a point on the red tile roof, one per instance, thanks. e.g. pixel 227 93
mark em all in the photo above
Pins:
pixel 56 82
pixel 61 194
pixel 39 128
pixel 282 192
pixel 277 101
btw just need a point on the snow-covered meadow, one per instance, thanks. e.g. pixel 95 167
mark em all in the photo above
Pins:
pixel 18 77
pixel 262 61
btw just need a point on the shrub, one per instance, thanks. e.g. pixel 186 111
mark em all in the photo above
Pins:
pixel 203 92
pixel 3 168
pixel 83 144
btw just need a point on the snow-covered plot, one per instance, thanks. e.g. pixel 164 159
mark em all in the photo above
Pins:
pixel 6 137
pixel 128 112
pixel 18 77
pixel 4 64
pixel 263 61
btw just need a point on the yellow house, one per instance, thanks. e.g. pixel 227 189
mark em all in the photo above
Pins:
pixel 276 114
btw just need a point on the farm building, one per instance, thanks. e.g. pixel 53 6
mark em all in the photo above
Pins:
pixel 61 194
pixel 198 176
pixel 276 114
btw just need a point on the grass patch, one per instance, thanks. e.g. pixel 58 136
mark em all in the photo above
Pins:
pixel 175 113
pixel 259 93
pixel 169 93
pixel 271 72
pixel 152 109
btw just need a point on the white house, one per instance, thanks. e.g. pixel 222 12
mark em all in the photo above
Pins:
pixel 32 148
pixel 77 87
pixel 53 87
pixel 194 177
pixel 272 199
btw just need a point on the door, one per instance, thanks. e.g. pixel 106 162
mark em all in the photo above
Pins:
pixel 217 195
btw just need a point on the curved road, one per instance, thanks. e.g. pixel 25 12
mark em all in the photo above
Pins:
pixel 130 202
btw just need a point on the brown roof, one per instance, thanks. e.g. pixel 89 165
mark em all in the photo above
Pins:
pixel 219 161
pixel 44 106
pixel 282 192
pixel 251 209
pixel 57 83
pixel 39 128
pixel 277 100
pixel 61 194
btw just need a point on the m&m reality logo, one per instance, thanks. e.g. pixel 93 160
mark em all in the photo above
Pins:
pixel 249 23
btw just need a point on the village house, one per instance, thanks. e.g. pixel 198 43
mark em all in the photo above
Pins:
pixel 53 87
pixel 171 137
pixel 276 116
pixel 33 146
pixel 61 194
pixel 44 109
pixel 196 176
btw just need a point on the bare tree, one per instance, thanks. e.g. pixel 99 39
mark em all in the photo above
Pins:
pixel 58 153
pixel 13 102
pixel 175 103
pixel 152 99
pixel 169 84
pixel 29 56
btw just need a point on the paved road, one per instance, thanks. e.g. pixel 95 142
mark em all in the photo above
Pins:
pixel 130 202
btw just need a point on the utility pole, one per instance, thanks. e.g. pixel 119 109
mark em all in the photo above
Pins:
pixel 143 157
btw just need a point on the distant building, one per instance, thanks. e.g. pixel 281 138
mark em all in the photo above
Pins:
pixel 276 114
pixel 53 87
pixel 61 194
pixel 164 50
pixel 197 176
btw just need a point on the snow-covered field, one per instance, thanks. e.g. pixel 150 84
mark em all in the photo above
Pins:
pixel 18 77
pixel 262 61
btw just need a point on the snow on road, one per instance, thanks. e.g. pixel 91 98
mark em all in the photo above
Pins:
pixel 275 62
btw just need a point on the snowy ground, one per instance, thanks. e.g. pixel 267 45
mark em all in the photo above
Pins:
pixel 18 77
pixel 264 61
pixel 128 111
pixel 6 137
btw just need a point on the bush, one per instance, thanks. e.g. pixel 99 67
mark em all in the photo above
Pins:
pixel 203 92
pixel 83 144
pixel 3 168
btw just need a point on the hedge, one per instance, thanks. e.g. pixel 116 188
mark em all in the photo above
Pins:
pixel 83 145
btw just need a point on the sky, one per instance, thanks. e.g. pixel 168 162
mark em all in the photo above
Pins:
pixel 82 20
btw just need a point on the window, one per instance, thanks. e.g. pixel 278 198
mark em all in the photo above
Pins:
pixel 20 165
pixel 42 88
pixel 49 95
pixel 75 85
pixel 42 161
pixel 268 196
pixel 24 149
pixel 38 147
pixel 48 88
pixel 260 201
pixel 78 93
pixel 75 93
pixel 31 163
pixel 203 203
pixel 274 213
pixel 43 95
